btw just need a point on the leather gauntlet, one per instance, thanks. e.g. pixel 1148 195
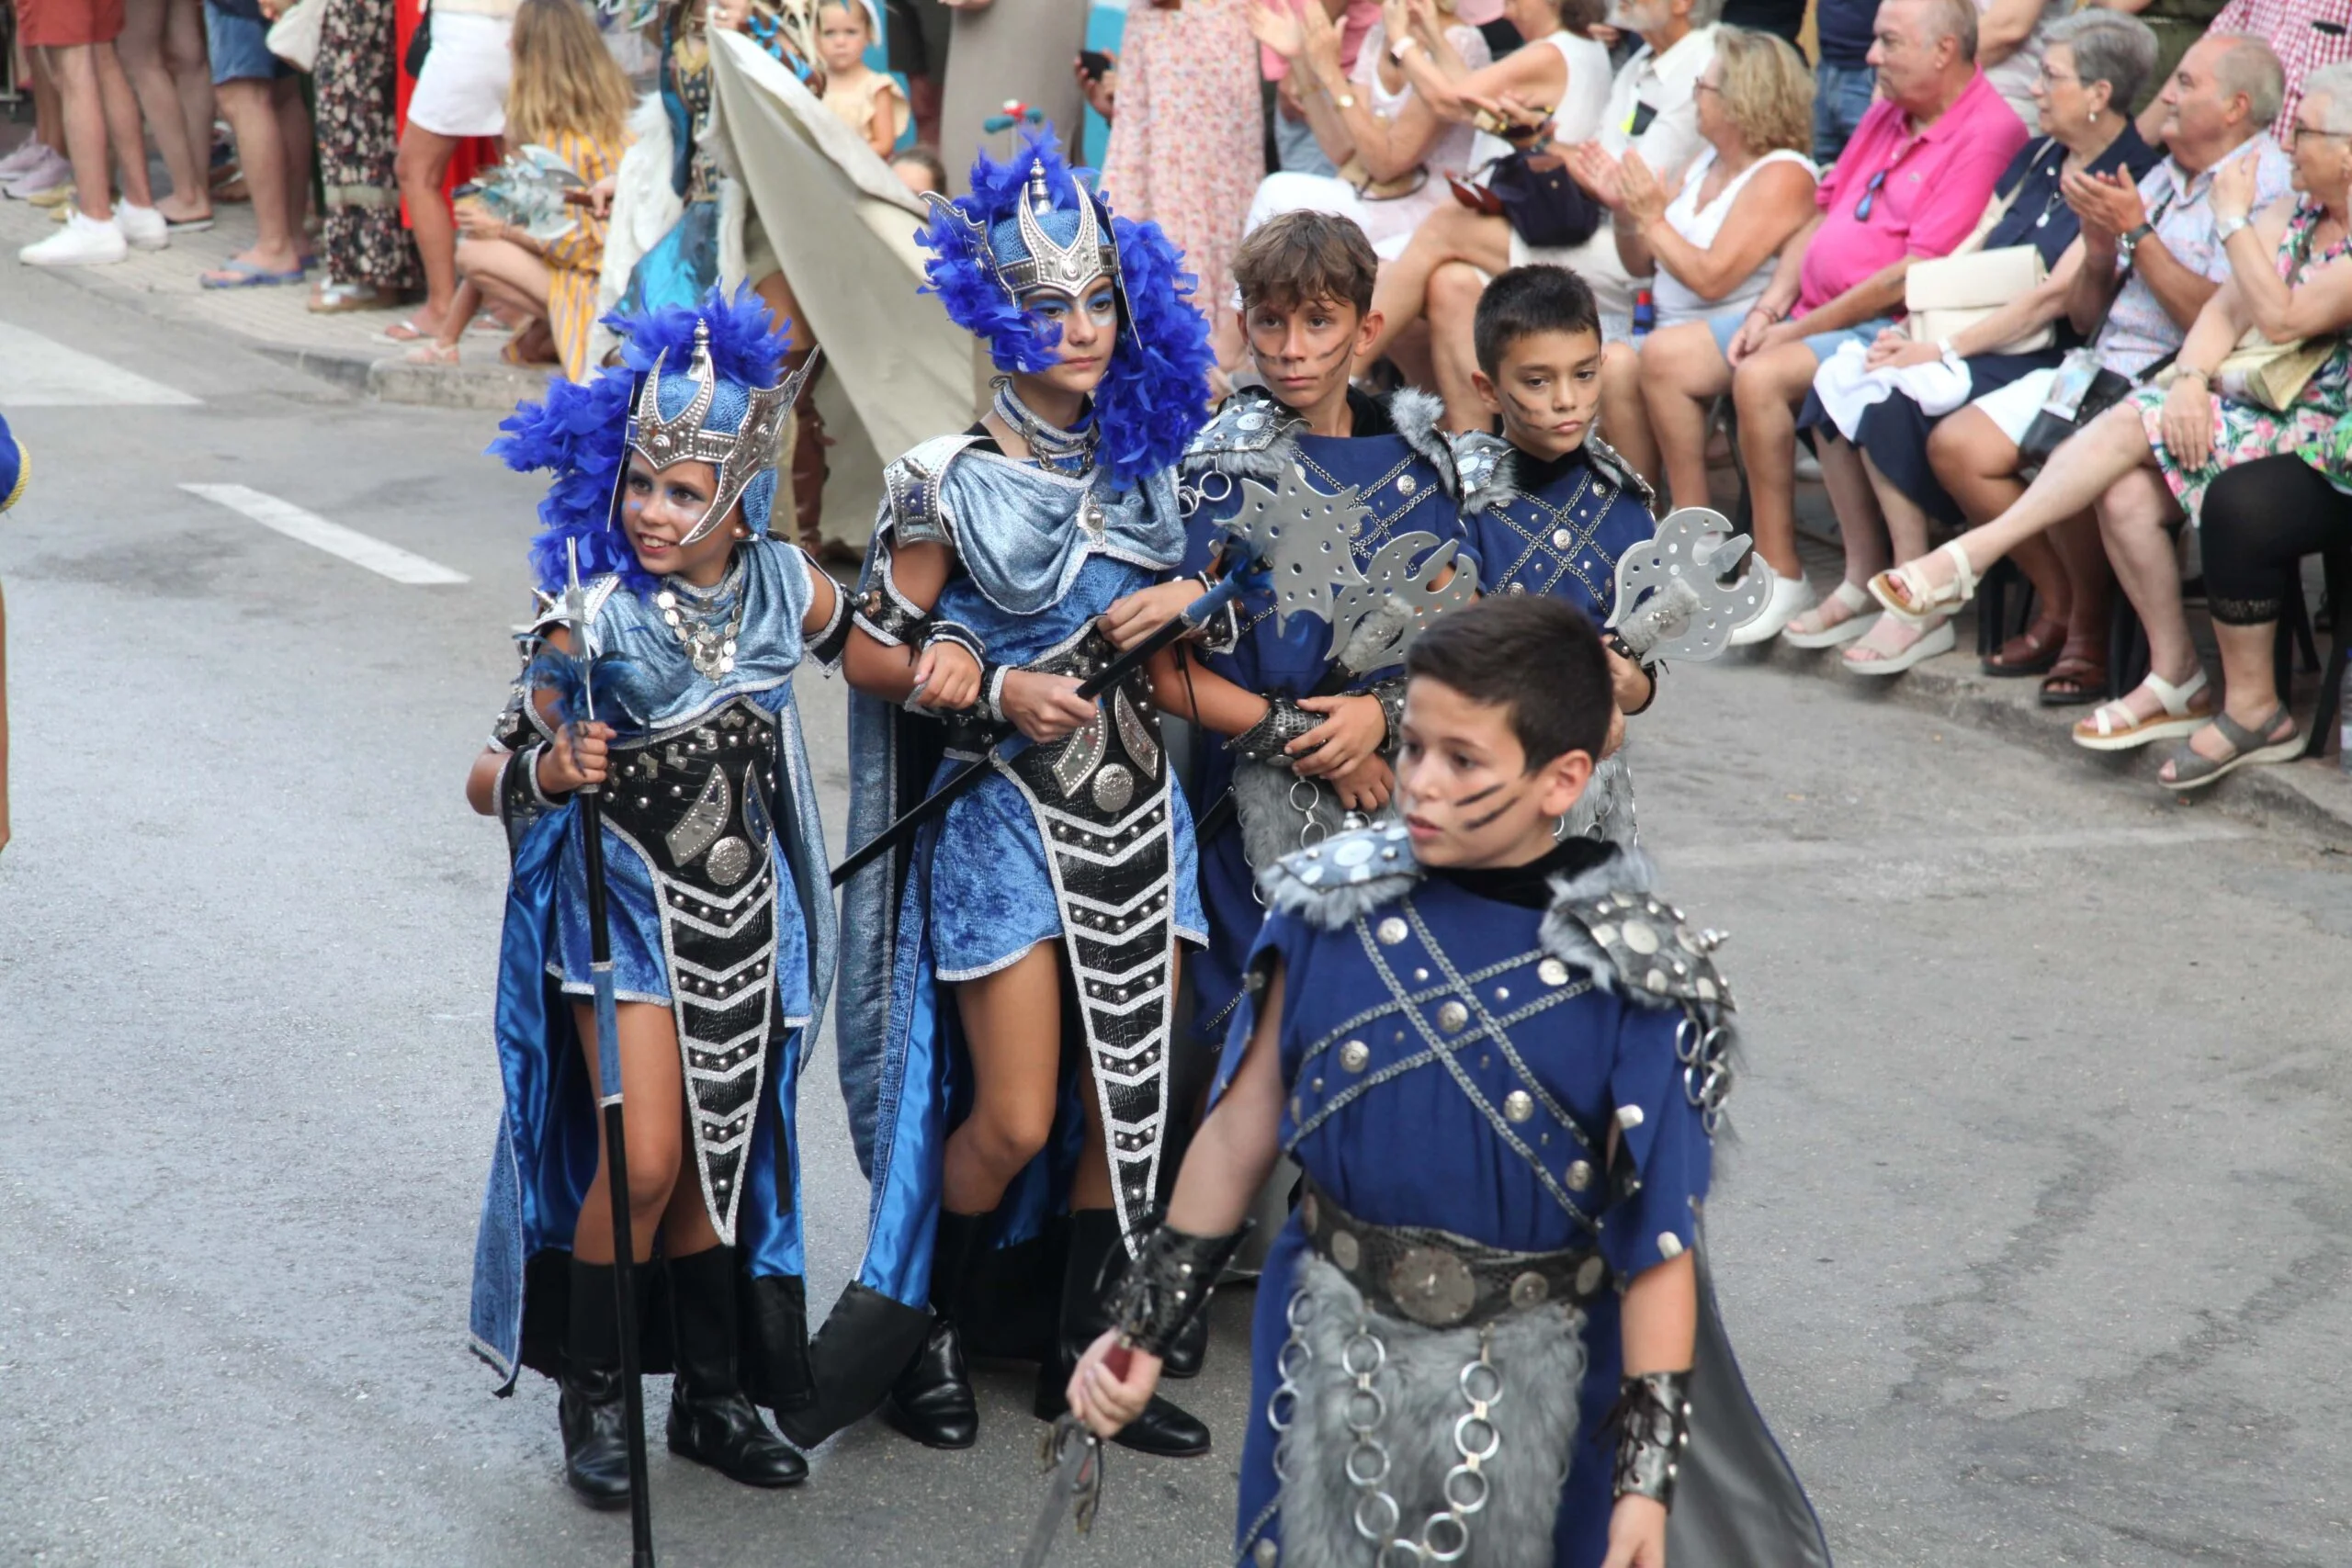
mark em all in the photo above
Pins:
pixel 1653 1421
pixel 1168 1285
pixel 1285 722
pixel 1390 694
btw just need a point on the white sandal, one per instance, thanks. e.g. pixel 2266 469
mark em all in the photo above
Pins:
pixel 1908 596
pixel 2113 726
pixel 1854 601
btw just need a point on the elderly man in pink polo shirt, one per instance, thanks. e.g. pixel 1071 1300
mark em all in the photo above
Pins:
pixel 1911 184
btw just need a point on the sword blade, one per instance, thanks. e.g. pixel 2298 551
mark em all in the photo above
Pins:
pixel 1070 1449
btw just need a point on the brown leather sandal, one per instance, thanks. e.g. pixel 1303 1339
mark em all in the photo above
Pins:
pixel 2074 680
pixel 2033 652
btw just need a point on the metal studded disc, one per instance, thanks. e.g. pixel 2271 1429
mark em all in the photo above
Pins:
pixel 1588 1276
pixel 1551 972
pixel 1355 1055
pixel 1641 937
pixel 1528 1289
pixel 1519 1105
pixel 1579 1176
pixel 1431 1285
pixel 729 859
pixel 1114 785
pixel 1346 1251
pixel 1451 1017
pixel 1390 932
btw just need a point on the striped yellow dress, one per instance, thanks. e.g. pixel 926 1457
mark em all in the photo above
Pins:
pixel 574 260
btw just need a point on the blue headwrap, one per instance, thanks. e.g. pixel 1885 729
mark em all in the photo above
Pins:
pixel 579 432
pixel 1154 396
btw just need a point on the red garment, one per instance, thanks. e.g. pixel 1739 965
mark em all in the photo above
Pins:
pixel 473 154
pixel 63 24
pixel 2304 34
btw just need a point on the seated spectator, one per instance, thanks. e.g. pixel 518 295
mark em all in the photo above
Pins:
pixel 1714 241
pixel 1881 483
pixel 1399 131
pixel 2260 519
pixel 2304 34
pixel 1912 183
pixel 567 96
pixel 460 93
pixel 1654 89
pixel 867 100
pixel 2146 462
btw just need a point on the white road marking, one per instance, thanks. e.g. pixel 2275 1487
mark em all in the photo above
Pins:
pixel 360 549
pixel 1899 852
pixel 39 372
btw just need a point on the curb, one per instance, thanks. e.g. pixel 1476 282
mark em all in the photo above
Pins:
pixel 2314 796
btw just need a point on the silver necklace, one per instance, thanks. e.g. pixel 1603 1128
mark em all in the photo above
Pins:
pixel 1059 451
pixel 695 617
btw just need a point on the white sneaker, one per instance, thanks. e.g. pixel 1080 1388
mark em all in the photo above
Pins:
pixel 1790 597
pixel 143 227
pixel 83 242
pixel 22 159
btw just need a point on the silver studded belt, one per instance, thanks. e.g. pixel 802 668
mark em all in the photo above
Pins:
pixel 1438 1279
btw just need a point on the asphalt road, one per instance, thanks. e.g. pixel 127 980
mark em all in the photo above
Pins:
pixel 2033 1241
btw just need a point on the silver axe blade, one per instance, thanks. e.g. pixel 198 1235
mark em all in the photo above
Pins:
pixel 1671 600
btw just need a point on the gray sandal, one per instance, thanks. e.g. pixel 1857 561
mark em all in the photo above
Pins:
pixel 2193 770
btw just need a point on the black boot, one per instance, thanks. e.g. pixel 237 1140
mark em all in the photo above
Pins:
pixel 711 1421
pixel 588 1410
pixel 1191 1348
pixel 931 1401
pixel 1096 1257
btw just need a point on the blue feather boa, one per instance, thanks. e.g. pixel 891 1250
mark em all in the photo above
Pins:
pixel 579 432
pixel 1154 396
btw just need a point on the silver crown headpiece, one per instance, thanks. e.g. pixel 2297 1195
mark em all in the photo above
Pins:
pixel 1068 269
pixel 740 454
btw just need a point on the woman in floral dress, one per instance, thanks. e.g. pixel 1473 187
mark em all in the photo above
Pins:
pixel 1187 140
pixel 371 259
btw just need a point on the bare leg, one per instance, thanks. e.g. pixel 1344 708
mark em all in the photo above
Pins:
pixel 504 273
pixel 2249 690
pixel 75 73
pixel 1682 373
pixel 1413 354
pixel 2090 583
pixel 294 137
pixel 655 1096
pixel 1766 389
pixel 260 153
pixel 1013 1026
pixel 183 53
pixel 782 307
pixel 126 137
pixel 1448 234
pixel 1856 493
pixel 48 110
pixel 1624 423
pixel 141 49
pixel 422 162
pixel 2131 520
pixel 1453 310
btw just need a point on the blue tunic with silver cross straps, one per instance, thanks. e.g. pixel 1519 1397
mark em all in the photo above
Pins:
pixel 1554 528
pixel 1403 469
pixel 1457 1061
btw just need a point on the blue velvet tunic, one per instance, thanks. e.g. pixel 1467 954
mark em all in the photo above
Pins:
pixel 1591 1059
pixel 1554 528
pixel 1407 480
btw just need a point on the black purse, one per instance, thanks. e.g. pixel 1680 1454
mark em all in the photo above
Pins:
pixel 419 43
pixel 1544 206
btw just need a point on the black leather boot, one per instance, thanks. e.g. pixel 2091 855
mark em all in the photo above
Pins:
pixel 931 1401
pixel 588 1410
pixel 1191 1348
pixel 1096 1258
pixel 711 1420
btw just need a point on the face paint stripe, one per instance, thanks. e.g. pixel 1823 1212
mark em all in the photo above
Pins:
pixel 1476 823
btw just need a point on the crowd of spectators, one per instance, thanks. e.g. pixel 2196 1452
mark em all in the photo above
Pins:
pixel 1792 258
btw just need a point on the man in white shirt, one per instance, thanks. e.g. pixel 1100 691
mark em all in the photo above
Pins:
pixel 1650 109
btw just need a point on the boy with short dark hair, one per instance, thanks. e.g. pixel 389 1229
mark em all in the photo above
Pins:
pixel 1520 1296
pixel 1301 739
pixel 1548 505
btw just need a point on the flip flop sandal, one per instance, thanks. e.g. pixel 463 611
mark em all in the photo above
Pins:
pixel 2113 728
pixel 1926 645
pixel 1907 595
pixel 404 331
pixel 2073 680
pixel 238 273
pixel 2028 653
pixel 431 353
pixel 2193 770
pixel 1855 601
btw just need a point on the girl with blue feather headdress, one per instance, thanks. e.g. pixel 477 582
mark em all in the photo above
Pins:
pixel 666 682
pixel 1010 974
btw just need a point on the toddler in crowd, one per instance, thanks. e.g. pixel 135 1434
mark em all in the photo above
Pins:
pixel 868 101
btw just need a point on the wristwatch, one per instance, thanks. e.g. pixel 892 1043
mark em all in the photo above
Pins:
pixel 2130 241
pixel 2226 227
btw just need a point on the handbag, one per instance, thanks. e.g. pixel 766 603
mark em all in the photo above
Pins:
pixel 1951 294
pixel 2272 374
pixel 419 43
pixel 1544 206
pixel 294 37
pixel 2052 427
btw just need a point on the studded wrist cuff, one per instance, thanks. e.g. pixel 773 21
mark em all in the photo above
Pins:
pixel 1167 1284
pixel 960 635
pixel 1285 722
pixel 888 619
pixel 1390 694
pixel 531 759
pixel 1653 1421
pixel 992 691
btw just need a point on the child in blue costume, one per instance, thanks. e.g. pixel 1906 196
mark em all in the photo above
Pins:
pixel 1439 1338
pixel 1010 974
pixel 1549 505
pixel 1300 741
pixel 721 922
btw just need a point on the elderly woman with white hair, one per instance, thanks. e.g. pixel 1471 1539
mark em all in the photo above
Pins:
pixel 2145 463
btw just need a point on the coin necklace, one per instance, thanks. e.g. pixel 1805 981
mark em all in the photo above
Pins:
pixel 691 615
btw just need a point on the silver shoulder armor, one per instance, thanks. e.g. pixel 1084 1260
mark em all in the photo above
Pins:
pixel 910 490
pixel 1330 884
pixel 1609 924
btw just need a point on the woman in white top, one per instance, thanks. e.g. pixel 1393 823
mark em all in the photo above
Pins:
pixel 1714 241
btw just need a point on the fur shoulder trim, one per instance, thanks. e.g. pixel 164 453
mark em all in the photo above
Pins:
pixel 1486 467
pixel 1418 417
pixel 1329 885
pixel 1613 466
pixel 1247 437
pixel 1611 924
